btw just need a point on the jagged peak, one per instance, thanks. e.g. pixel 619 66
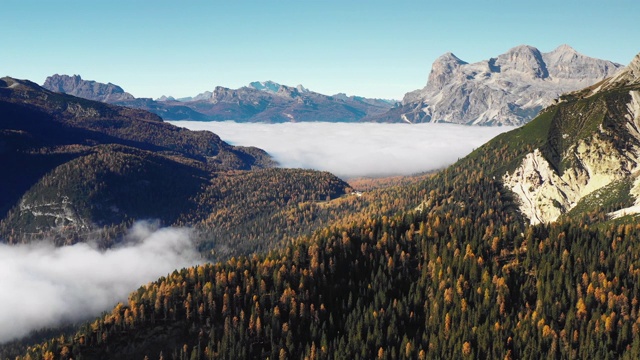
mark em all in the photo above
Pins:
pixel 523 49
pixel 76 78
pixel 269 86
pixel 520 52
pixel 442 70
pixel 564 48
pixel 634 68
pixel 563 54
pixel 629 75
pixel 88 89
pixel 165 98
pixel 449 57
pixel 524 59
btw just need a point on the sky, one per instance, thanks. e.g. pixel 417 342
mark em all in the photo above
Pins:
pixel 351 150
pixel 372 48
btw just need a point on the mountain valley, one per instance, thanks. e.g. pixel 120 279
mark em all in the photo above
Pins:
pixel 525 248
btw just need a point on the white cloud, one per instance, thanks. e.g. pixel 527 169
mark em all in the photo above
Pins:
pixel 362 149
pixel 42 285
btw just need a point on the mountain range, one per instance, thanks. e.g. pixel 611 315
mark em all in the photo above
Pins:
pixel 259 102
pixel 509 89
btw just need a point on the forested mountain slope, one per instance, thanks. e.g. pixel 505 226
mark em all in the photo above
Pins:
pixel 464 275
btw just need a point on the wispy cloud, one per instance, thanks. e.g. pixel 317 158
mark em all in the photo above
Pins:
pixel 42 285
pixel 350 150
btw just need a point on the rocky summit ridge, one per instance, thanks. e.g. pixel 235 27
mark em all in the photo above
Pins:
pixel 87 89
pixel 628 76
pixel 509 89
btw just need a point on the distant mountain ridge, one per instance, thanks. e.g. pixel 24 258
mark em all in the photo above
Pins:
pixel 265 101
pixel 509 89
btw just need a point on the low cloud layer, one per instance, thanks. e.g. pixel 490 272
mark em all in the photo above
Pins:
pixel 351 150
pixel 43 286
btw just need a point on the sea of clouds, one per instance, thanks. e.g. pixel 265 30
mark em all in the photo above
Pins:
pixel 45 286
pixel 356 149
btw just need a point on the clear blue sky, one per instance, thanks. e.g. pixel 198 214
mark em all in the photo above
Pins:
pixel 371 48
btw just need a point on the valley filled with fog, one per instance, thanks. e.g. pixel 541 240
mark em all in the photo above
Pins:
pixel 70 283
pixel 356 149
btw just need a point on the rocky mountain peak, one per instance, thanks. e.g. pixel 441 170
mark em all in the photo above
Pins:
pixel 449 57
pixel 630 74
pixel 509 89
pixel 268 86
pixel 634 69
pixel 442 70
pixel 203 96
pixel 166 98
pixel 88 89
pixel 278 89
pixel 289 92
pixel 564 49
pixel 523 59
pixel 223 94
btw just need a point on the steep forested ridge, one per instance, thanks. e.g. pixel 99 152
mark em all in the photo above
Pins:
pixel 463 278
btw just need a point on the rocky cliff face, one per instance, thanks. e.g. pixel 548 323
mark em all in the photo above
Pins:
pixel 510 89
pixel 87 89
pixel 593 144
